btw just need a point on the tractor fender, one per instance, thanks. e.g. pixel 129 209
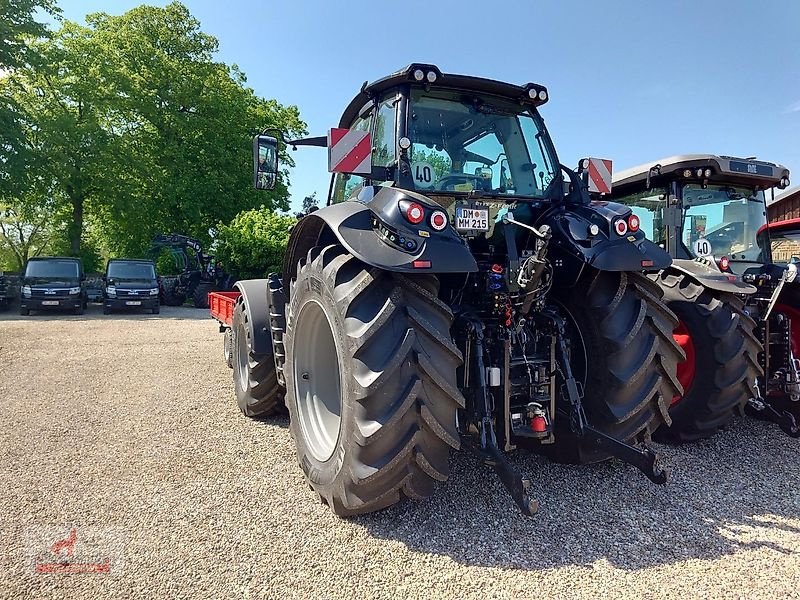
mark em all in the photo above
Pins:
pixel 359 226
pixel 577 248
pixel 711 277
pixel 254 296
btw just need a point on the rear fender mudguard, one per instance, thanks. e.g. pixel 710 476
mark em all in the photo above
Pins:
pixel 254 296
pixel 573 247
pixel 353 225
pixel 711 277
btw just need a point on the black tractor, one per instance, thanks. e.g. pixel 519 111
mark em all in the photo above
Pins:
pixel 198 274
pixel 459 289
pixel 708 212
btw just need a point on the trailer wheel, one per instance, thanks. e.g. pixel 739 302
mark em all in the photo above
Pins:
pixel 721 368
pixel 227 347
pixel 373 399
pixel 623 352
pixel 257 391
pixel 200 294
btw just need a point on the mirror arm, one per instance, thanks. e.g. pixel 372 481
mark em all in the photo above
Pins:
pixel 321 141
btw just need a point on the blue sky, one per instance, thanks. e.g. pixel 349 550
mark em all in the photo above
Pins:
pixel 629 80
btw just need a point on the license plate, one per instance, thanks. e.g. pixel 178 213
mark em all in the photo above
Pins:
pixel 472 219
pixel 49 302
pixel 133 303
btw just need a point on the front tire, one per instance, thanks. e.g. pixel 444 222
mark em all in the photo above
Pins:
pixel 623 352
pixel 722 366
pixel 257 391
pixel 373 400
pixel 200 295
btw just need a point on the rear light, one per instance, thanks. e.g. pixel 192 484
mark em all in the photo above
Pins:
pixel 633 223
pixel 724 263
pixel 647 263
pixel 438 220
pixel 413 212
pixel 621 227
pixel 421 264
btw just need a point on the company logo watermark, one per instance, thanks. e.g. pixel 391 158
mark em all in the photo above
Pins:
pixel 68 550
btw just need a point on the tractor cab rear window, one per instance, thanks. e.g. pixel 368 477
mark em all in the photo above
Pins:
pixel 463 142
pixel 64 269
pixel 126 270
pixel 722 220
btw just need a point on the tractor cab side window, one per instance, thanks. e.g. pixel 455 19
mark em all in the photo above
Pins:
pixel 649 207
pixel 384 138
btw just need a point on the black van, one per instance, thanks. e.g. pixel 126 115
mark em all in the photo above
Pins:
pixel 53 282
pixel 130 283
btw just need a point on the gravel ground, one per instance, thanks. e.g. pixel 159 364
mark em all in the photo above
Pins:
pixel 126 427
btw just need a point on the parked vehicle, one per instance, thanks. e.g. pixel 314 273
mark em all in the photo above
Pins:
pixel 459 288
pixel 199 273
pixel 53 282
pixel 706 210
pixel 130 284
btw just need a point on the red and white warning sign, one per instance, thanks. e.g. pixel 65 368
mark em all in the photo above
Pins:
pixel 349 151
pixel 599 176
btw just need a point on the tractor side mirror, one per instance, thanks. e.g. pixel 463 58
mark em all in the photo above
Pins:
pixel 265 162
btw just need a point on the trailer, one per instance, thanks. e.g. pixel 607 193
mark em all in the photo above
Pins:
pixel 222 305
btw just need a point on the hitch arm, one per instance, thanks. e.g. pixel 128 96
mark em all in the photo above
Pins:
pixel 643 459
pixel 486 448
pixel 785 420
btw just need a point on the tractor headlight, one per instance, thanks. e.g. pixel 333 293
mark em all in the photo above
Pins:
pixel 74 290
pixel 26 291
pixel 111 291
pixel 154 291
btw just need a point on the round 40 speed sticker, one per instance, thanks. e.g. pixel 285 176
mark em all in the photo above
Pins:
pixel 423 174
pixel 702 247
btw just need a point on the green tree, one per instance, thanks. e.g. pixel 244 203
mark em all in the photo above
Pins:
pixel 310 202
pixel 254 243
pixel 17 27
pixel 132 128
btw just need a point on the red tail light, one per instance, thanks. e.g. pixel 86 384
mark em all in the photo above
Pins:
pixel 724 264
pixel 621 227
pixel 633 223
pixel 413 212
pixel 438 220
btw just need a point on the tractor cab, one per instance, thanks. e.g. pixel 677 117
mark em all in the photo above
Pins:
pixel 470 145
pixel 703 206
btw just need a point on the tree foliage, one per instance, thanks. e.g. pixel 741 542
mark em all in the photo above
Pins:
pixel 130 127
pixel 254 243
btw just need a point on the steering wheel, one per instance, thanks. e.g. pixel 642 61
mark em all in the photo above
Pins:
pixel 442 184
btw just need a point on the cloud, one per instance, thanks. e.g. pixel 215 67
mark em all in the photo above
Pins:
pixel 794 107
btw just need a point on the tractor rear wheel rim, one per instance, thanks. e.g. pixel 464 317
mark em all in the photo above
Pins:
pixel 317 383
pixel 242 361
pixel 686 368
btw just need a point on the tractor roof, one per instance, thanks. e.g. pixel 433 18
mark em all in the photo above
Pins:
pixel 724 169
pixel 529 93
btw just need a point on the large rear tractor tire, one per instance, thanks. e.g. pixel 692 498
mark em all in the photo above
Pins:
pixel 257 391
pixel 371 381
pixel 623 352
pixel 200 294
pixel 721 368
